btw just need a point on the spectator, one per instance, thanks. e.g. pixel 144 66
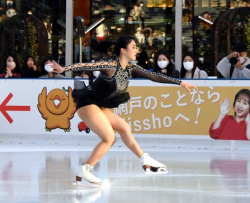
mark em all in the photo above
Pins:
pixel 235 127
pixel 143 59
pixel 82 74
pixel 151 60
pixel 235 65
pixel 163 64
pixel 189 68
pixel 29 69
pixel 148 42
pixel 12 68
pixel 46 71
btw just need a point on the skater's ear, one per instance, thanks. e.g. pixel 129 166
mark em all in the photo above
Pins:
pixel 123 51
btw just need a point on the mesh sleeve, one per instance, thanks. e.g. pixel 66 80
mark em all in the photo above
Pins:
pixel 107 67
pixel 154 76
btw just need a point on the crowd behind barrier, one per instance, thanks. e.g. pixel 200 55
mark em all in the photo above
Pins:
pixel 236 65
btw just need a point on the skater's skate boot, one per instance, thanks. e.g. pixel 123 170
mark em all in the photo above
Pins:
pixel 152 166
pixel 85 171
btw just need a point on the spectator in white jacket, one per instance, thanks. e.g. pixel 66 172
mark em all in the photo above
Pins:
pixel 236 65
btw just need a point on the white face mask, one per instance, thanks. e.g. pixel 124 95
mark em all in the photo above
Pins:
pixel 242 59
pixel 162 64
pixel 188 65
pixel 11 64
pixel 48 68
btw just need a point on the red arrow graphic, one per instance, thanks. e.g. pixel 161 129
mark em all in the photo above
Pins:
pixel 4 108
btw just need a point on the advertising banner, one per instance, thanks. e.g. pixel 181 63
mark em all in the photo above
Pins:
pixel 38 106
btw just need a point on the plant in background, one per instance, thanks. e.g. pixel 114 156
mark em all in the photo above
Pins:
pixel 33 41
pixel 24 33
pixel 21 34
pixel 248 36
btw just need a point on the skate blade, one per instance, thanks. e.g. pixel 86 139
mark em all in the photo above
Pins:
pixel 91 185
pixel 154 171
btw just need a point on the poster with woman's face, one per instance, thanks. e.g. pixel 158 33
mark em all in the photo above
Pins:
pixel 234 126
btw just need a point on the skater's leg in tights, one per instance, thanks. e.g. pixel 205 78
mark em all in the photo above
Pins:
pixel 98 122
pixel 123 128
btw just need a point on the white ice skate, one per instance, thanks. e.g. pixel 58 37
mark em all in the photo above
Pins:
pixel 152 166
pixel 85 172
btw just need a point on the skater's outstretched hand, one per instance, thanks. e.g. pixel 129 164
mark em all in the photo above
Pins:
pixel 188 86
pixel 57 68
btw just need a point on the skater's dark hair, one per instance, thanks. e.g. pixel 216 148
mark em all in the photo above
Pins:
pixel 122 42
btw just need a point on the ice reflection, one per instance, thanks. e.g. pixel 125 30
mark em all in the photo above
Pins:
pixel 193 176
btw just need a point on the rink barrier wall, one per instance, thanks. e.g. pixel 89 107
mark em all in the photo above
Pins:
pixel 155 110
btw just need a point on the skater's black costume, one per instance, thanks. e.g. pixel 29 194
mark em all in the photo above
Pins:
pixel 109 88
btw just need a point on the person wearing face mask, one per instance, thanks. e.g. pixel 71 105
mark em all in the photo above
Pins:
pixel 163 64
pixel 47 71
pixel 236 65
pixel 189 68
pixel 29 69
pixel 11 69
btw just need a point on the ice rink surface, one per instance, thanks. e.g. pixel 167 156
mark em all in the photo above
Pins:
pixel 46 173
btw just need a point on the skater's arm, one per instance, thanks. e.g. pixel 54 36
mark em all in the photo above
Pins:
pixel 154 76
pixel 159 77
pixel 103 66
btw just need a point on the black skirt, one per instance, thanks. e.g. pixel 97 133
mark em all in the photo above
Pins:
pixel 85 97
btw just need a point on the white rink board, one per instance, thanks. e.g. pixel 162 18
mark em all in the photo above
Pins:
pixel 25 93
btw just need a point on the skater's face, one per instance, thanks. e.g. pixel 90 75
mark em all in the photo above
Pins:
pixel 241 106
pixel 131 51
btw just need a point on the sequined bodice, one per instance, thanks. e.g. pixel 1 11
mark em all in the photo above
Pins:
pixel 113 80
pixel 108 87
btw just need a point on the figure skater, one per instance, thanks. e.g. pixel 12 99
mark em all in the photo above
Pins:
pixel 108 91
